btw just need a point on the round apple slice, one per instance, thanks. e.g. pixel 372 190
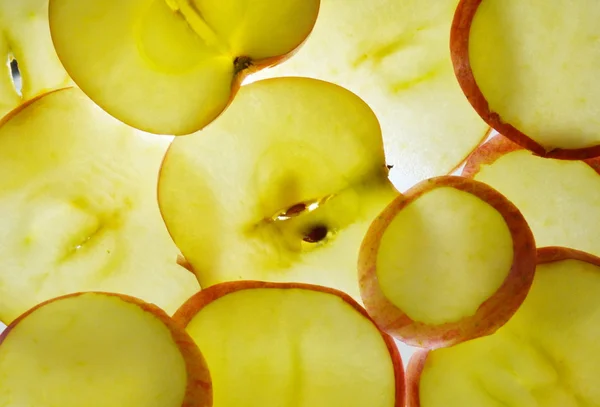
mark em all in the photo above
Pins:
pixel 529 68
pixel 451 260
pixel 101 350
pixel 78 190
pixel 172 66
pixel 546 355
pixel 284 344
pixel 560 199
pixel 282 187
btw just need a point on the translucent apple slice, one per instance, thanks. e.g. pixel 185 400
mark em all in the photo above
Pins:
pixel 394 55
pixel 100 350
pixel 546 355
pixel 284 345
pixel 172 66
pixel 78 190
pixel 451 260
pixel 528 69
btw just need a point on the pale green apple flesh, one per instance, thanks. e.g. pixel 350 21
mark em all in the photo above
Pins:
pixel 282 187
pixel 172 66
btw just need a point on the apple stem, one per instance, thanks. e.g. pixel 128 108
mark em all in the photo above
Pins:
pixel 194 18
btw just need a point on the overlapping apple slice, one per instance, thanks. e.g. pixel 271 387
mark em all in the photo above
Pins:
pixel 100 350
pixel 546 355
pixel 529 69
pixel 172 66
pixel 77 194
pixel 282 187
pixel 560 199
pixel 449 261
pixel 285 344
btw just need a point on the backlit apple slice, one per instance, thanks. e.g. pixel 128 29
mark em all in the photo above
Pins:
pixel 394 55
pixel 529 68
pixel 284 345
pixel 78 198
pixel 282 187
pixel 100 350
pixel 560 199
pixel 546 355
pixel 451 260
pixel 172 66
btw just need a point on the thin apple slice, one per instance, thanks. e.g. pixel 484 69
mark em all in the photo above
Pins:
pixel 529 68
pixel 546 355
pixel 100 350
pixel 284 345
pixel 449 261
pixel 282 187
pixel 172 66
pixel 394 55
pixel 560 199
pixel 78 194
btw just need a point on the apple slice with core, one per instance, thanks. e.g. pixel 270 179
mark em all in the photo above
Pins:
pixel 449 261
pixel 100 350
pixel 285 344
pixel 546 355
pixel 172 66
pixel 528 69
pixel 282 187
pixel 78 194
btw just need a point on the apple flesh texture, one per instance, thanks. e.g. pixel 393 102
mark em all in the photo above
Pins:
pixel 170 66
pixel 77 190
pixel 560 199
pixel 545 356
pixel 450 260
pixel 534 65
pixel 100 350
pixel 394 55
pixel 292 160
pixel 280 345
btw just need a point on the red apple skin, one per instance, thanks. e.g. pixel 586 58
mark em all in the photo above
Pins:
pixel 199 386
pixel 491 314
pixel 196 303
pixel 459 53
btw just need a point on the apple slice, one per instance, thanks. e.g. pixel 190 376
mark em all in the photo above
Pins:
pixel 282 187
pixel 546 355
pixel 528 68
pixel 449 261
pixel 285 344
pixel 394 55
pixel 559 198
pixel 77 194
pixel 172 66
pixel 100 350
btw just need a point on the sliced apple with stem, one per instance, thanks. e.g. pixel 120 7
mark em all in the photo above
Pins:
pixel 172 66
pixel 78 194
pixel 528 69
pixel 282 187
pixel 286 344
pixel 546 355
pixel 449 261
pixel 101 350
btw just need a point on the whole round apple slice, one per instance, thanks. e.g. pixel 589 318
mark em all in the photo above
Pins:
pixel 78 194
pixel 546 355
pixel 560 199
pixel 529 69
pixel 451 260
pixel 172 66
pixel 282 187
pixel 292 345
pixel 101 350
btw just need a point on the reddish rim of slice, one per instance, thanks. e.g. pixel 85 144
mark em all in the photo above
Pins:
pixel 415 367
pixel 197 302
pixel 491 314
pixel 459 52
